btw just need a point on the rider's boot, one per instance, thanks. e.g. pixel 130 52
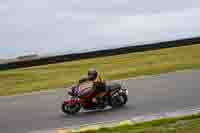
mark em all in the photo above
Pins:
pixel 100 102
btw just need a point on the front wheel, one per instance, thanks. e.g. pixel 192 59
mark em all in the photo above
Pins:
pixel 124 98
pixel 70 108
pixel 118 100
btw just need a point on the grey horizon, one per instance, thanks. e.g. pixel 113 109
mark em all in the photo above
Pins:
pixel 50 27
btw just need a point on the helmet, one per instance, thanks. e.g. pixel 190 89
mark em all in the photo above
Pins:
pixel 92 74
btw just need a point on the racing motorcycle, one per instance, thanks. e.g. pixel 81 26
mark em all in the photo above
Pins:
pixel 80 97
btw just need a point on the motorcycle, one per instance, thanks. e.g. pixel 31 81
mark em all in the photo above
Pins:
pixel 81 96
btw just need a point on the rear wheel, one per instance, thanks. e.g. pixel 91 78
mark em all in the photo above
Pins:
pixel 71 108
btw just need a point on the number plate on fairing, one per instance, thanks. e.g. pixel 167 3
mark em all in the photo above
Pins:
pixel 124 91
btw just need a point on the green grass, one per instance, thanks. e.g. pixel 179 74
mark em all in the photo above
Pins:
pixel 113 67
pixel 188 124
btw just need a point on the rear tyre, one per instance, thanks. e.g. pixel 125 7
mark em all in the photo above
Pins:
pixel 70 109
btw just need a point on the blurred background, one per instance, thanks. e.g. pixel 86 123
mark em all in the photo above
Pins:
pixel 47 27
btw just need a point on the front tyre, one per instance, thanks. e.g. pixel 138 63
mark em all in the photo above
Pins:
pixel 118 100
pixel 124 98
pixel 115 101
pixel 70 109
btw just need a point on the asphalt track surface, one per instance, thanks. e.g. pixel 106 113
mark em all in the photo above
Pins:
pixel 152 94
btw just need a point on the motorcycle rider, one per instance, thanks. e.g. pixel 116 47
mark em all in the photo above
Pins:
pixel 99 85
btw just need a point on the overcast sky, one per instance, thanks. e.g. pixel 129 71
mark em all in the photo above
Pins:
pixel 50 26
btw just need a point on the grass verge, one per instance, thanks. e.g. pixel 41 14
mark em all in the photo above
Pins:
pixel 187 124
pixel 112 67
